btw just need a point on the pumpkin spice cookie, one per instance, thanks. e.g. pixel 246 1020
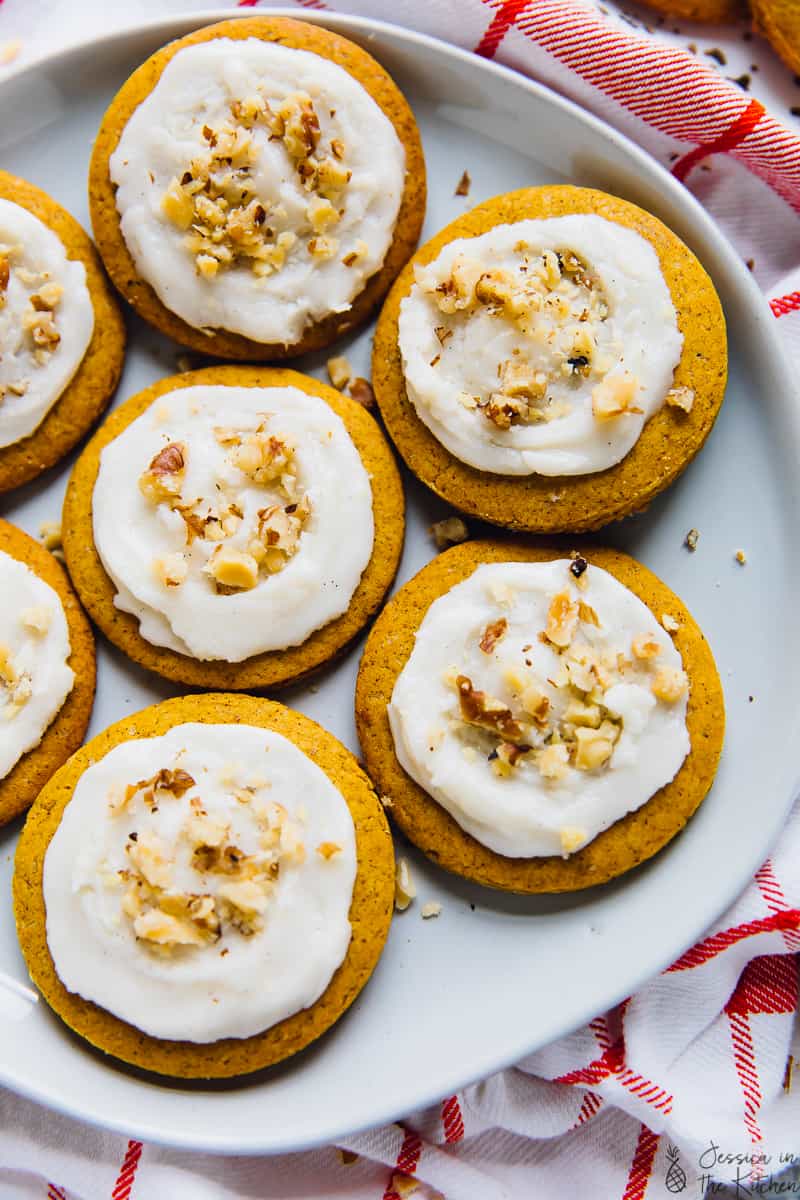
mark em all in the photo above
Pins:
pixel 779 22
pixel 47 670
pixel 538 721
pixel 62 338
pixel 551 360
pixel 234 527
pixel 256 186
pixel 205 887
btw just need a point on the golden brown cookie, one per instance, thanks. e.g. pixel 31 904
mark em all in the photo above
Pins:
pixel 718 11
pixel 92 386
pixel 27 777
pixel 370 910
pixel 273 668
pixel 779 22
pixel 669 440
pixel 105 218
pixel 625 844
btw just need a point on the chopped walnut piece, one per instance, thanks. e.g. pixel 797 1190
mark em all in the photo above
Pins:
pixel 323 246
pixel 669 684
pixel 37 619
pixel 485 712
pixel 166 930
pixel 645 647
pixel 506 756
pixel 404 889
pixel 613 397
pixel 449 532
pixel 592 748
pixel 50 533
pixel 562 620
pixel 246 896
pixel 328 850
pixel 463 185
pixel 492 634
pixel 359 252
pixel 339 371
pixel 571 838
pixel 171 570
pixel 579 713
pixel 230 568
pixel 176 781
pixel 432 909
pixel 669 623
pixel 587 615
pixel 680 397
pixel 148 855
pixel 163 478
pixel 691 540
pixel 536 705
pixel 553 761
pixel 361 391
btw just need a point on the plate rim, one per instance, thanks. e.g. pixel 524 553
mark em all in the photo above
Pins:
pixel 697 216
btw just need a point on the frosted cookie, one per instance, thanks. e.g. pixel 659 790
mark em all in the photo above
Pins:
pixel 205 887
pixel 551 361
pixel 62 340
pixel 256 186
pixel 538 722
pixel 47 670
pixel 234 527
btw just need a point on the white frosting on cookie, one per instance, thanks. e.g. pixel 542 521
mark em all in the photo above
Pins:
pixel 540 347
pixel 538 707
pixel 256 538
pixel 199 884
pixel 46 321
pixel 34 647
pixel 258 187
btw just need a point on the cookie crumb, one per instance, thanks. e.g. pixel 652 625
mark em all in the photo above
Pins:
pixel 403 1185
pixel 386 801
pixel 691 540
pixel 339 371
pixel 9 51
pixel 404 888
pixel 362 393
pixel 464 185
pixel 50 533
pixel 449 532
pixel 741 557
pixel 431 909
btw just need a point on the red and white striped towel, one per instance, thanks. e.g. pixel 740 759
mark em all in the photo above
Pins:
pixel 684 1083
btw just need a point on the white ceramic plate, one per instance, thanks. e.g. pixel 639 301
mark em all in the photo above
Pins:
pixel 495 976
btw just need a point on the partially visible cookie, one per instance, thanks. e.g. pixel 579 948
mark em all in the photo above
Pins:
pixel 62 338
pixel 717 11
pixel 205 887
pixel 234 527
pixel 779 21
pixel 551 360
pixel 256 186
pixel 538 722
pixel 47 670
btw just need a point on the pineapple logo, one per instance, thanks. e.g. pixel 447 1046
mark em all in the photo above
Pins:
pixel 676 1176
